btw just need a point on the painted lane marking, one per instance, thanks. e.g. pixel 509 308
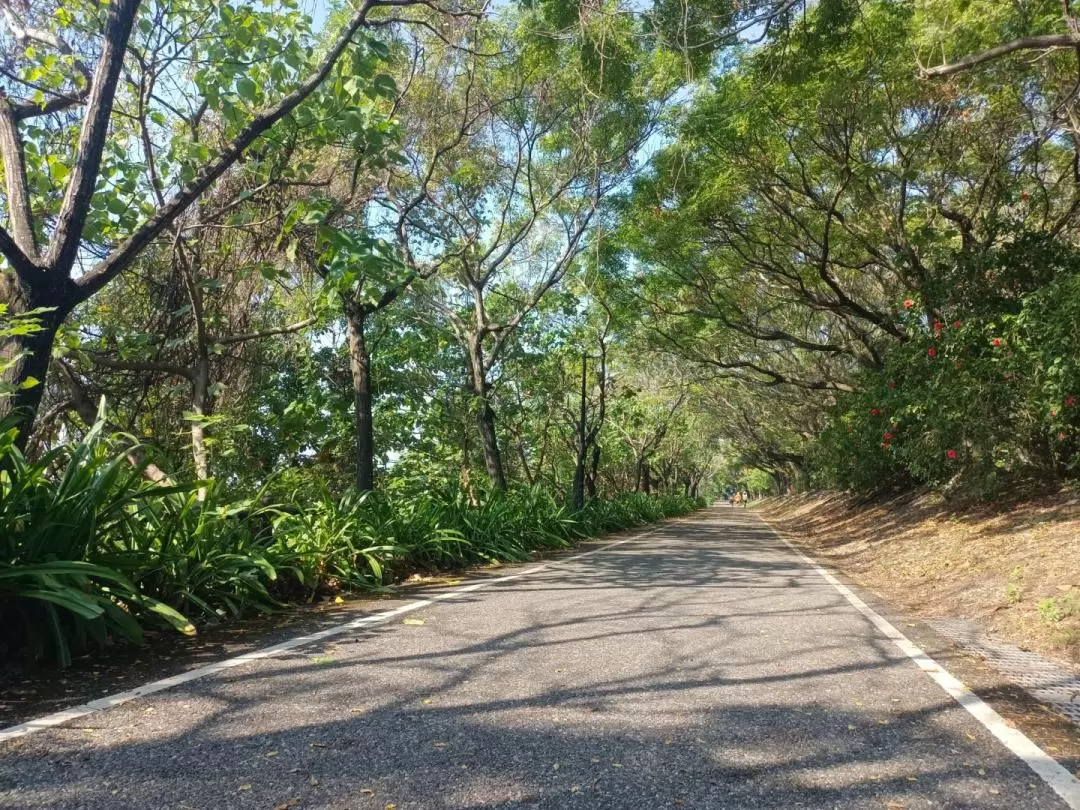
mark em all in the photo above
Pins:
pixel 1063 783
pixel 107 702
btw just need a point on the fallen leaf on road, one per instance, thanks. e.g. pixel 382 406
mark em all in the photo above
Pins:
pixel 313 781
pixel 367 791
pixel 850 727
pixel 412 621
pixel 244 787
pixel 317 745
pixel 270 754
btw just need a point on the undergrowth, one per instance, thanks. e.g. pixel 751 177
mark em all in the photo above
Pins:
pixel 92 554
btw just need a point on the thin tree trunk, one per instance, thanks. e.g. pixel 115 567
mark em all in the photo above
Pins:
pixel 360 367
pixel 639 468
pixel 199 388
pixel 590 479
pixel 466 466
pixel 524 456
pixel 582 443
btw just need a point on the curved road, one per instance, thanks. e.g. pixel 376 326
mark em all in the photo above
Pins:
pixel 703 666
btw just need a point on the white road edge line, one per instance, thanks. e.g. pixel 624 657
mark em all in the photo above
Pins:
pixel 93 706
pixel 1063 783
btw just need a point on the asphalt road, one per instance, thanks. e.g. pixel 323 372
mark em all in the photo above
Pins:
pixel 703 666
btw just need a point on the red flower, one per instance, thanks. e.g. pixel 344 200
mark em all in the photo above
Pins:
pixel 885 445
pixel 950 454
pixel 997 341
pixel 956 324
pixel 875 412
pixel 1070 401
pixel 1025 196
pixel 888 435
pixel 932 352
pixel 908 303
pixel 892 385
pixel 938 326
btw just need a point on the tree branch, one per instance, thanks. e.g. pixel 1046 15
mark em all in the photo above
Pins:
pixel 92 139
pixel 228 340
pixel 1044 42
pixel 125 253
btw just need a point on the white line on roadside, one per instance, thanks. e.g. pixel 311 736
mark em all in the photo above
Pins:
pixel 75 712
pixel 1063 783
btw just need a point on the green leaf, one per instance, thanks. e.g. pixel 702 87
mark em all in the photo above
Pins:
pixel 245 87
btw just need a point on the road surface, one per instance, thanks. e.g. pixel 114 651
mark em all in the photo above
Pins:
pixel 702 666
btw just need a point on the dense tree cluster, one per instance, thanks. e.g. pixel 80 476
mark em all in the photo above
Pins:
pixel 875 252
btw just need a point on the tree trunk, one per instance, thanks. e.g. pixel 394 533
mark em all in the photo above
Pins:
pixel 485 421
pixel 594 469
pixel 582 444
pixel 199 387
pixel 485 416
pixel 523 455
pixel 639 473
pixel 27 357
pixel 360 367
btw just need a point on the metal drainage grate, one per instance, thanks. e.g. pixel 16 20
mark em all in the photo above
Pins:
pixel 1044 679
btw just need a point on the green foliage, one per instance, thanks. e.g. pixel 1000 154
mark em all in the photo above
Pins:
pixel 57 532
pixel 983 395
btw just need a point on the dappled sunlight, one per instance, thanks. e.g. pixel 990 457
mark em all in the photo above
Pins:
pixel 555 693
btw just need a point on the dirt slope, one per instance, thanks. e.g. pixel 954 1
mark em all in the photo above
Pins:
pixel 1014 567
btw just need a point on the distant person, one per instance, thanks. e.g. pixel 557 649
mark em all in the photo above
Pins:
pixel 738 499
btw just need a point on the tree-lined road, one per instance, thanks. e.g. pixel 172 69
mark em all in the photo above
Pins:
pixel 702 666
